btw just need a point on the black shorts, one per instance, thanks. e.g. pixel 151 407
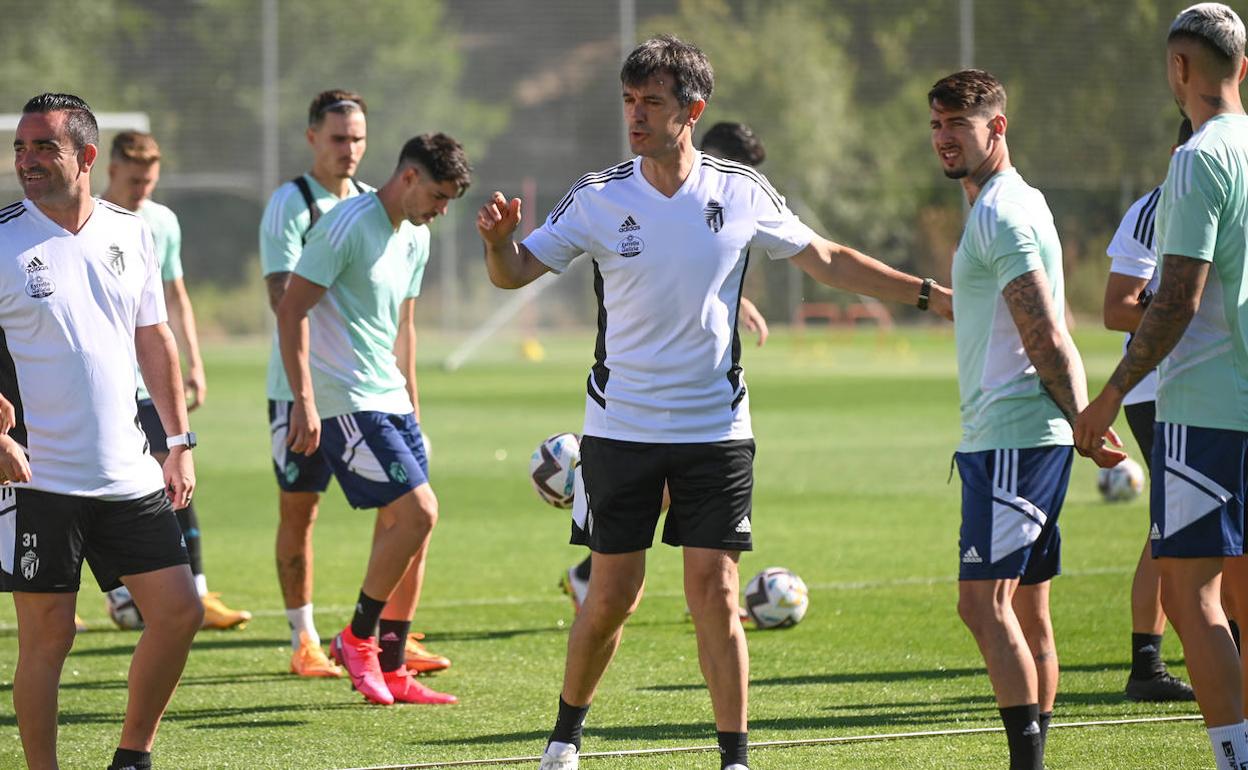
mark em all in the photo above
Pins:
pixel 1140 418
pixel 620 494
pixel 149 421
pixel 44 538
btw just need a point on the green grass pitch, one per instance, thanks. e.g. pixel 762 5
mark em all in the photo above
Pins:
pixel 855 431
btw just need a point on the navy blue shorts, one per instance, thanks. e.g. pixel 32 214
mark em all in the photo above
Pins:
pixel 1198 509
pixel 377 457
pixel 1011 499
pixel 149 421
pixel 295 472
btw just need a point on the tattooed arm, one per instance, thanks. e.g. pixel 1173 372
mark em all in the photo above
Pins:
pixel 1054 355
pixel 1163 324
pixel 1167 317
pixel 1049 347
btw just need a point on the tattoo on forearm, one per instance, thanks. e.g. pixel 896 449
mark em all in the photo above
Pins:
pixel 1163 324
pixel 1027 297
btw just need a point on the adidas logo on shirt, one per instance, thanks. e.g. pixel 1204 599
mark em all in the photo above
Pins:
pixel 36 265
pixel 1154 533
pixel 972 556
pixel 743 527
pixel 629 225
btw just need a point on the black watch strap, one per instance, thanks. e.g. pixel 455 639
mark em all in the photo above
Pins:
pixel 925 293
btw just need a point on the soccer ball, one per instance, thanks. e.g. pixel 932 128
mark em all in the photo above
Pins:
pixel 123 610
pixel 552 468
pixel 1122 482
pixel 776 598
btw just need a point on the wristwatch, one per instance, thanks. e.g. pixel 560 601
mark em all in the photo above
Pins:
pixel 187 440
pixel 925 293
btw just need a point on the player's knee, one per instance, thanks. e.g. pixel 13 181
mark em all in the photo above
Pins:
pixel 51 641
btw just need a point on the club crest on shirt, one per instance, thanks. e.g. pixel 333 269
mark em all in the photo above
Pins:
pixel 714 214
pixel 630 246
pixel 39 286
pixel 116 259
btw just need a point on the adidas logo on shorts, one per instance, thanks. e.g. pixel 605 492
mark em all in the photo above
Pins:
pixel 972 556
pixel 743 527
pixel 1154 533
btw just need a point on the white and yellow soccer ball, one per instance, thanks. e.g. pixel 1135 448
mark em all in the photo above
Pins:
pixel 123 610
pixel 1124 481
pixel 776 598
pixel 552 468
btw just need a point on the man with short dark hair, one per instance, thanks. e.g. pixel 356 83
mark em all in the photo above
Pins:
pixel 81 304
pixel 1131 285
pixel 1195 333
pixel 337 136
pixel 133 172
pixel 351 297
pixel 669 233
pixel 1021 383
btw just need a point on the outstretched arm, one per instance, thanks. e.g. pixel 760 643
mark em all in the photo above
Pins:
pixel 841 267
pixel 509 264
pixel 1053 353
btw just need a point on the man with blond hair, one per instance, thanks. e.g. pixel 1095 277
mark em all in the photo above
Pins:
pixel 133 173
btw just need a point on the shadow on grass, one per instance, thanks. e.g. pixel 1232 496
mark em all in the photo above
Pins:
pixel 881 676
pixel 212 643
pixel 237 715
pixel 230 680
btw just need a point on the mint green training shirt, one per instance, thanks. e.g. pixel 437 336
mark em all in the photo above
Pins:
pixel 1009 232
pixel 368 268
pixel 1203 215
pixel 167 237
pixel 282 229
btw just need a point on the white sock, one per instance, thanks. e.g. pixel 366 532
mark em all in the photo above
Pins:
pixel 300 619
pixel 1230 745
pixel 201 585
pixel 555 748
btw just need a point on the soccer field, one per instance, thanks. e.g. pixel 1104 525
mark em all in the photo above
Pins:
pixel 855 432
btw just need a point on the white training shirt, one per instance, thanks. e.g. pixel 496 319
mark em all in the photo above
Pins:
pixel 69 306
pixel 668 274
pixel 1134 253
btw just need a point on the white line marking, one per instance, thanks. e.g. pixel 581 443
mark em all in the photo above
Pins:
pixel 783 744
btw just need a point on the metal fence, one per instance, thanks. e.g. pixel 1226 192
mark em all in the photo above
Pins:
pixel 835 89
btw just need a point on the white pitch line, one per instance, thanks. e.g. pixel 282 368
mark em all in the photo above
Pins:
pixel 796 742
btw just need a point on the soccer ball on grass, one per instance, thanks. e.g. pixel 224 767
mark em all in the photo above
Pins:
pixel 1124 481
pixel 776 598
pixel 123 610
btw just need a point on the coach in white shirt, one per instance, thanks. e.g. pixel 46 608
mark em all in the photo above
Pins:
pixel 80 298
pixel 670 233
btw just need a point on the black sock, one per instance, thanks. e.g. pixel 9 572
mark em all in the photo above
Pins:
pixel 582 570
pixel 367 613
pixel 128 759
pixel 733 748
pixel 1022 731
pixel 1146 656
pixel 392 636
pixel 1045 718
pixel 569 724
pixel 1234 632
pixel 190 533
